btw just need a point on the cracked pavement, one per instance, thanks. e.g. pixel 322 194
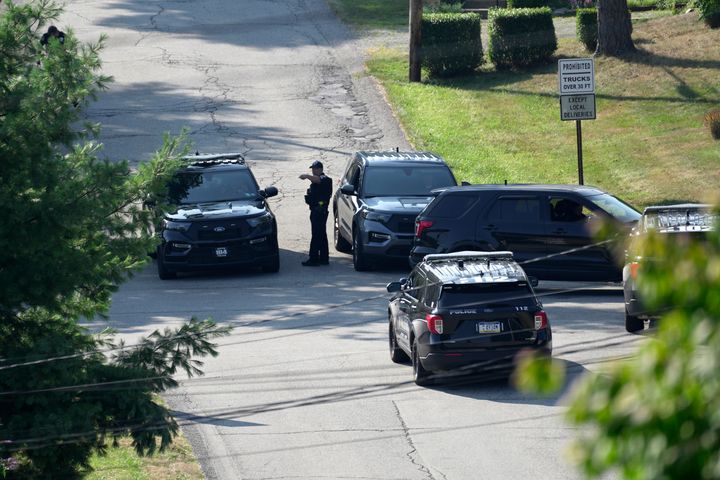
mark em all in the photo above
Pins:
pixel 304 387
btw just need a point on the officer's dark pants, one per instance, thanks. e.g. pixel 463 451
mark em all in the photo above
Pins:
pixel 319 242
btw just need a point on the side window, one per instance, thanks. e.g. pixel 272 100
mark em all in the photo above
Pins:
pixel 432 293
pixel 568 210
pixel 416 284
pixel 354 175
pixel 452 206
pixel 515 209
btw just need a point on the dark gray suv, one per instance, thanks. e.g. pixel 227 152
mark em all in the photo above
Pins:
pixel 379 197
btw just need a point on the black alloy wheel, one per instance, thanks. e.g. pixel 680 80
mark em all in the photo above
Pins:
pixel 273 266
pixel 421 376
pixel 396 353
pixel 341 245
pixel 632 323
pixel 360 262
pixel 162 270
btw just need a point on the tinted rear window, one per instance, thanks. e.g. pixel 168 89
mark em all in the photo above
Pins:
pixel 451 206
pixel 490 294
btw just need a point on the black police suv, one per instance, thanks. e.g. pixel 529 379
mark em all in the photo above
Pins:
pixel 549 228
pixel 681 222
pixel 380 194
pixel 465 312
pixel 220 219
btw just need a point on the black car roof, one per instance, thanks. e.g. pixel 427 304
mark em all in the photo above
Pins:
pixel 391 157
pixel 472 267
pixel 583 190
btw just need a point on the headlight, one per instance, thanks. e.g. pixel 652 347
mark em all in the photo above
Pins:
pixel 262 220
pixel 376 216
pixel 173 225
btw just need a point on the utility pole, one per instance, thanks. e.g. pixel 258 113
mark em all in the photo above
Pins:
pixel 415 19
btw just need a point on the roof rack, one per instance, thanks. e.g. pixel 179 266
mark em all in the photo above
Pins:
pixel 215 158
pixel 468 255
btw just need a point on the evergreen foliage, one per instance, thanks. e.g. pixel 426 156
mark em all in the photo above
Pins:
pixel 528 3
pixel 73 229
pixel 520 37
pixel 586 27
pixel 451 43
pixel 710 12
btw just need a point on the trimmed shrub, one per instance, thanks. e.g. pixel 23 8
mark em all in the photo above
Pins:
pixel 712 121
pixel 586 27
pixel 710 12
pixel 520 37
pixel 528 3
pixel 451 43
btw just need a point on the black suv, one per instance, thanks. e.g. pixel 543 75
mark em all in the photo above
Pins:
pixel 220 219
pixel 680 222
pixel 379 196
pixel 549 228
pixel 465 311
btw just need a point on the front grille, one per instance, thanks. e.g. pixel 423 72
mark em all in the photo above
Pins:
pixel 208 231
pixel 402 223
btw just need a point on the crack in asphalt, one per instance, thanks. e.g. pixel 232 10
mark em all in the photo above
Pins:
pixel 413 454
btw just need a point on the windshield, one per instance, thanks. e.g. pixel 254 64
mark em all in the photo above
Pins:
pixel 615 208
pixel 397 180
pixel 487 294
pixel 208 187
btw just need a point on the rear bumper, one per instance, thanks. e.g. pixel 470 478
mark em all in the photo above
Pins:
pixel 435 358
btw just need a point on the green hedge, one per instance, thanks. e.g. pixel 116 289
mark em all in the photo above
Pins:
pixel 710 12
pixel 528 3
pixel 586 27
pixel 451 43
pixel 520 37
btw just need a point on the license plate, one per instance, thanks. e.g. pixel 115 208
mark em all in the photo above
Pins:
pixel 221 252
pixel 489 327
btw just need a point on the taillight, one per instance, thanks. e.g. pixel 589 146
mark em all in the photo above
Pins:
pixel 422 225
pixel 435 323
pixel 634 267
pixel 541 320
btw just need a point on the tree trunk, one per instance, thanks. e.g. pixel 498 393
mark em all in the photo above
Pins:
pixel 415 21
pixel 614 28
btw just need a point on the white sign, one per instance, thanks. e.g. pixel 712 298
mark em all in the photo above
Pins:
pixel 577 107
pixel 576 75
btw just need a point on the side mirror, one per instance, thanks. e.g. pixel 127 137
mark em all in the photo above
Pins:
pixel 268 192
pixel 393 287
pixel 348 189
pixel 465 184
pixel 533 281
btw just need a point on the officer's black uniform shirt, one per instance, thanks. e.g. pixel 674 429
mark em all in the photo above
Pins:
pixel 320 193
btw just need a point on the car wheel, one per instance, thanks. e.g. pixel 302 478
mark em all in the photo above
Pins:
pixel 341 245
pixel 273 266
pixel 360 262
pixel 396 353
pixel 162 270
pixel 632 323
pixel 420 375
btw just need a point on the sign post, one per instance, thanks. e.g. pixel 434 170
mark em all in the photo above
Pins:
pixel 576 81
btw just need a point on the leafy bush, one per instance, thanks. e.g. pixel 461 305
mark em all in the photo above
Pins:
pixel 451 43
pixel 586 27
pixel 712 121
pixel 520 37
pixel 710 12
pixel 528 3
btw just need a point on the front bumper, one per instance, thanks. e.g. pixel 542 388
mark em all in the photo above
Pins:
pixel 260 250
pixel 381 242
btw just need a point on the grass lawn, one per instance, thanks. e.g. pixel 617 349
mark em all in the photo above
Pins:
pixel 648 144
pixel 176 463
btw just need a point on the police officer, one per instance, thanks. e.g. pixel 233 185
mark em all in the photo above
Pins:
pixel 318 199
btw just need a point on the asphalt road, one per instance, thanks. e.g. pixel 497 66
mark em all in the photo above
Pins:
pixel 304 387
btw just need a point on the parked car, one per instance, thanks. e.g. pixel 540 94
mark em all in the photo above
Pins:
pixel 220 219
pixel 465 312
pixel 549 228
pixel 379 197
pixel 678 222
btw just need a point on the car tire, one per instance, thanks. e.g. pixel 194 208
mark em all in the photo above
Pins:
pixel 421 376
pixel 397 355
pixel 162 270
pixel 632 323
pixel 273 266
pixel 341 245
pixel 360 261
